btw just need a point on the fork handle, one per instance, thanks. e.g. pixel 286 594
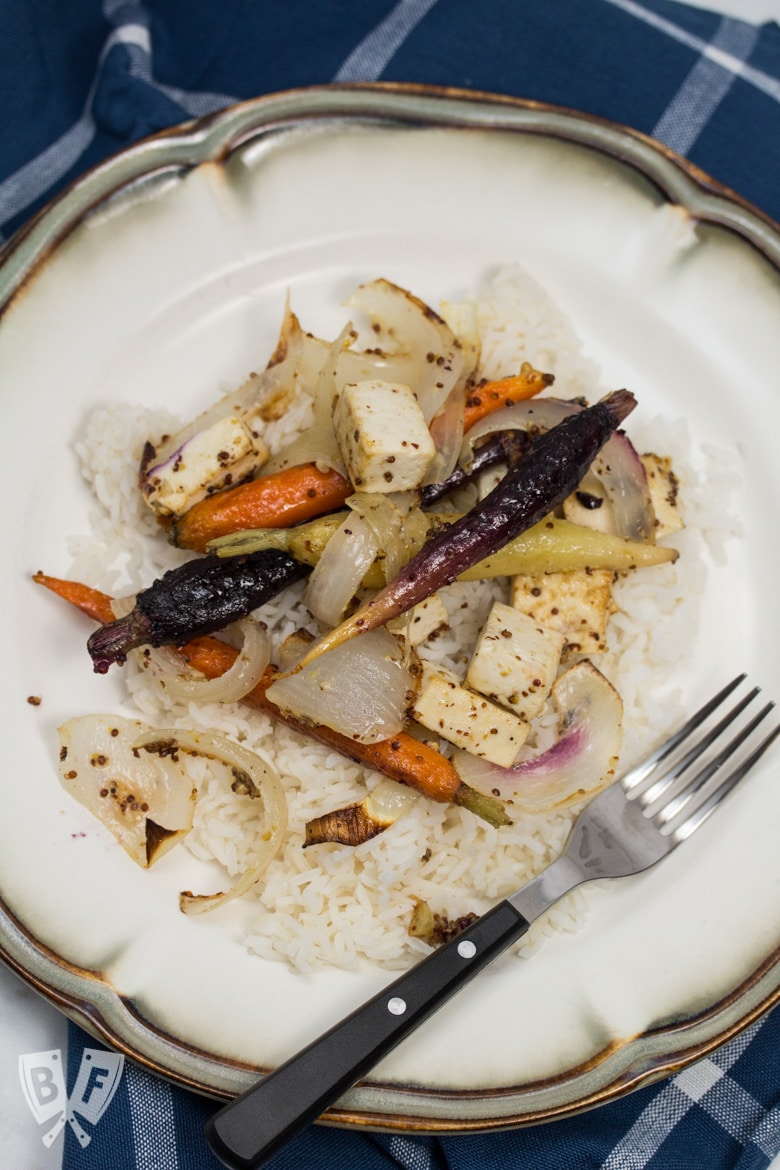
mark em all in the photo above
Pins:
pixel 250 1129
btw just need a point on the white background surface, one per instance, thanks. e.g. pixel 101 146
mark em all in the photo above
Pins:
pixel 29 1024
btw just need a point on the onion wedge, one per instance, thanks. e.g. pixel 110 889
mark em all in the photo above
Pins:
pixel 361 690
pixel 401 319
pixel 579 764
pixel 134 778
pixel 146 799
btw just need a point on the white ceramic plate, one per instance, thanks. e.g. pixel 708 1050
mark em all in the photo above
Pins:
pixel 159 277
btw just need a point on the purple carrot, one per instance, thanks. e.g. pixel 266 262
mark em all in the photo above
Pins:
pixel 528 492
pixel 199 597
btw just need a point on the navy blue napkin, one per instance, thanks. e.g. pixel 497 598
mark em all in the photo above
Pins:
pixel 80 81
pixel 722 1113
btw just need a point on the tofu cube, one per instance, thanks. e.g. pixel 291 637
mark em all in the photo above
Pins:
pixel 421 621
pixel 515 660
pixel 382 436
pixel 213 458
pixel 577 605
pixel 663 486
pixel 468 720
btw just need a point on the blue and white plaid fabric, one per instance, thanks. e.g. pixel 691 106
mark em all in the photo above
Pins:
pixel 82 80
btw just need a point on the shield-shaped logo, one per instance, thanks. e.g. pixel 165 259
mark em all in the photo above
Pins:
pixel 43 1084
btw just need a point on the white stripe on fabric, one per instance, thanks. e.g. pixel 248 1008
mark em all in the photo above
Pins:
pixel 698 1079
pixel 196 104
pixel 655 1124
pixel 760 80
pixel 25 185
pixel 407 1152
pixel 152 1120
pixel 706 86
pixel 370 58
pixel 735 1110
pixel 766 1135
pixel 649 1131
pixel 37 176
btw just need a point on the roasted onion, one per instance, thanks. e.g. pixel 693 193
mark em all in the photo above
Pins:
pixel 361 690
pixel 403 322
pixel 399 526
pixel 242 677
pixel 581 761
pixel 252 779
pixel 146 799
pixel 337 575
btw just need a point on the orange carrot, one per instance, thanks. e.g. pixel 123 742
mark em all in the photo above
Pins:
pixel 271 501
pixel 301 493
pixel 402 758
pixel 90 601
pixel 492 396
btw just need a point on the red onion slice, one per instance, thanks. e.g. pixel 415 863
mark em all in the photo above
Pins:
pixel 580 763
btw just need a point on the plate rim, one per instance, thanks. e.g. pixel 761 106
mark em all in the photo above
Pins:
pixel 213 138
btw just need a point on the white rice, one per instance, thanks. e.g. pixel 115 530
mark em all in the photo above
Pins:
pixel 338 905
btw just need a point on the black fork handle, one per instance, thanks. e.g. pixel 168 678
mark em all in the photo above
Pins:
pixel 247 1132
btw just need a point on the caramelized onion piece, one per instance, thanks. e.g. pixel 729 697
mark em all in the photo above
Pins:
pixel 243 676
pixel 401 320
pixel 362 689
pixel 145 798
pixel 253 779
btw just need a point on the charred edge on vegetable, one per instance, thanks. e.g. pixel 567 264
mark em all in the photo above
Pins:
pixel 197 598
pixel 548 474
pixel 503 447
pixel 345 826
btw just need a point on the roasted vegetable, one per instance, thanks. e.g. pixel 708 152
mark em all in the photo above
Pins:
pixel 402 758
pixel 271 501
pixel 491 396
pixel 360 822
pixel 548 474
pixel 198 597
pixel 293 494
pixel 551 546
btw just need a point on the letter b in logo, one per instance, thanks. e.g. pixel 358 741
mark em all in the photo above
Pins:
pixel 44 1086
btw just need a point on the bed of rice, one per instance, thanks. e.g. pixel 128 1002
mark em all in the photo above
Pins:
pixel 338 905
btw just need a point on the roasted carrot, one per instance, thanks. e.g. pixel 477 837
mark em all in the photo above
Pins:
pixel 491 396
pixel 271 501
pixel 402 758
pixel 302 493
pixel 90 601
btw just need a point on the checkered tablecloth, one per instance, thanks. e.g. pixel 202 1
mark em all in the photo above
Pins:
pixel 83 79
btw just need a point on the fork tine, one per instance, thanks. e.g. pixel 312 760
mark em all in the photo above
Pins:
pixel 657 790
pixel 707 807
pixel 694 785
pixel 636 776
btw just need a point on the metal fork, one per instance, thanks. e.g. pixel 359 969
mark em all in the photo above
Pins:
pixel 627 828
